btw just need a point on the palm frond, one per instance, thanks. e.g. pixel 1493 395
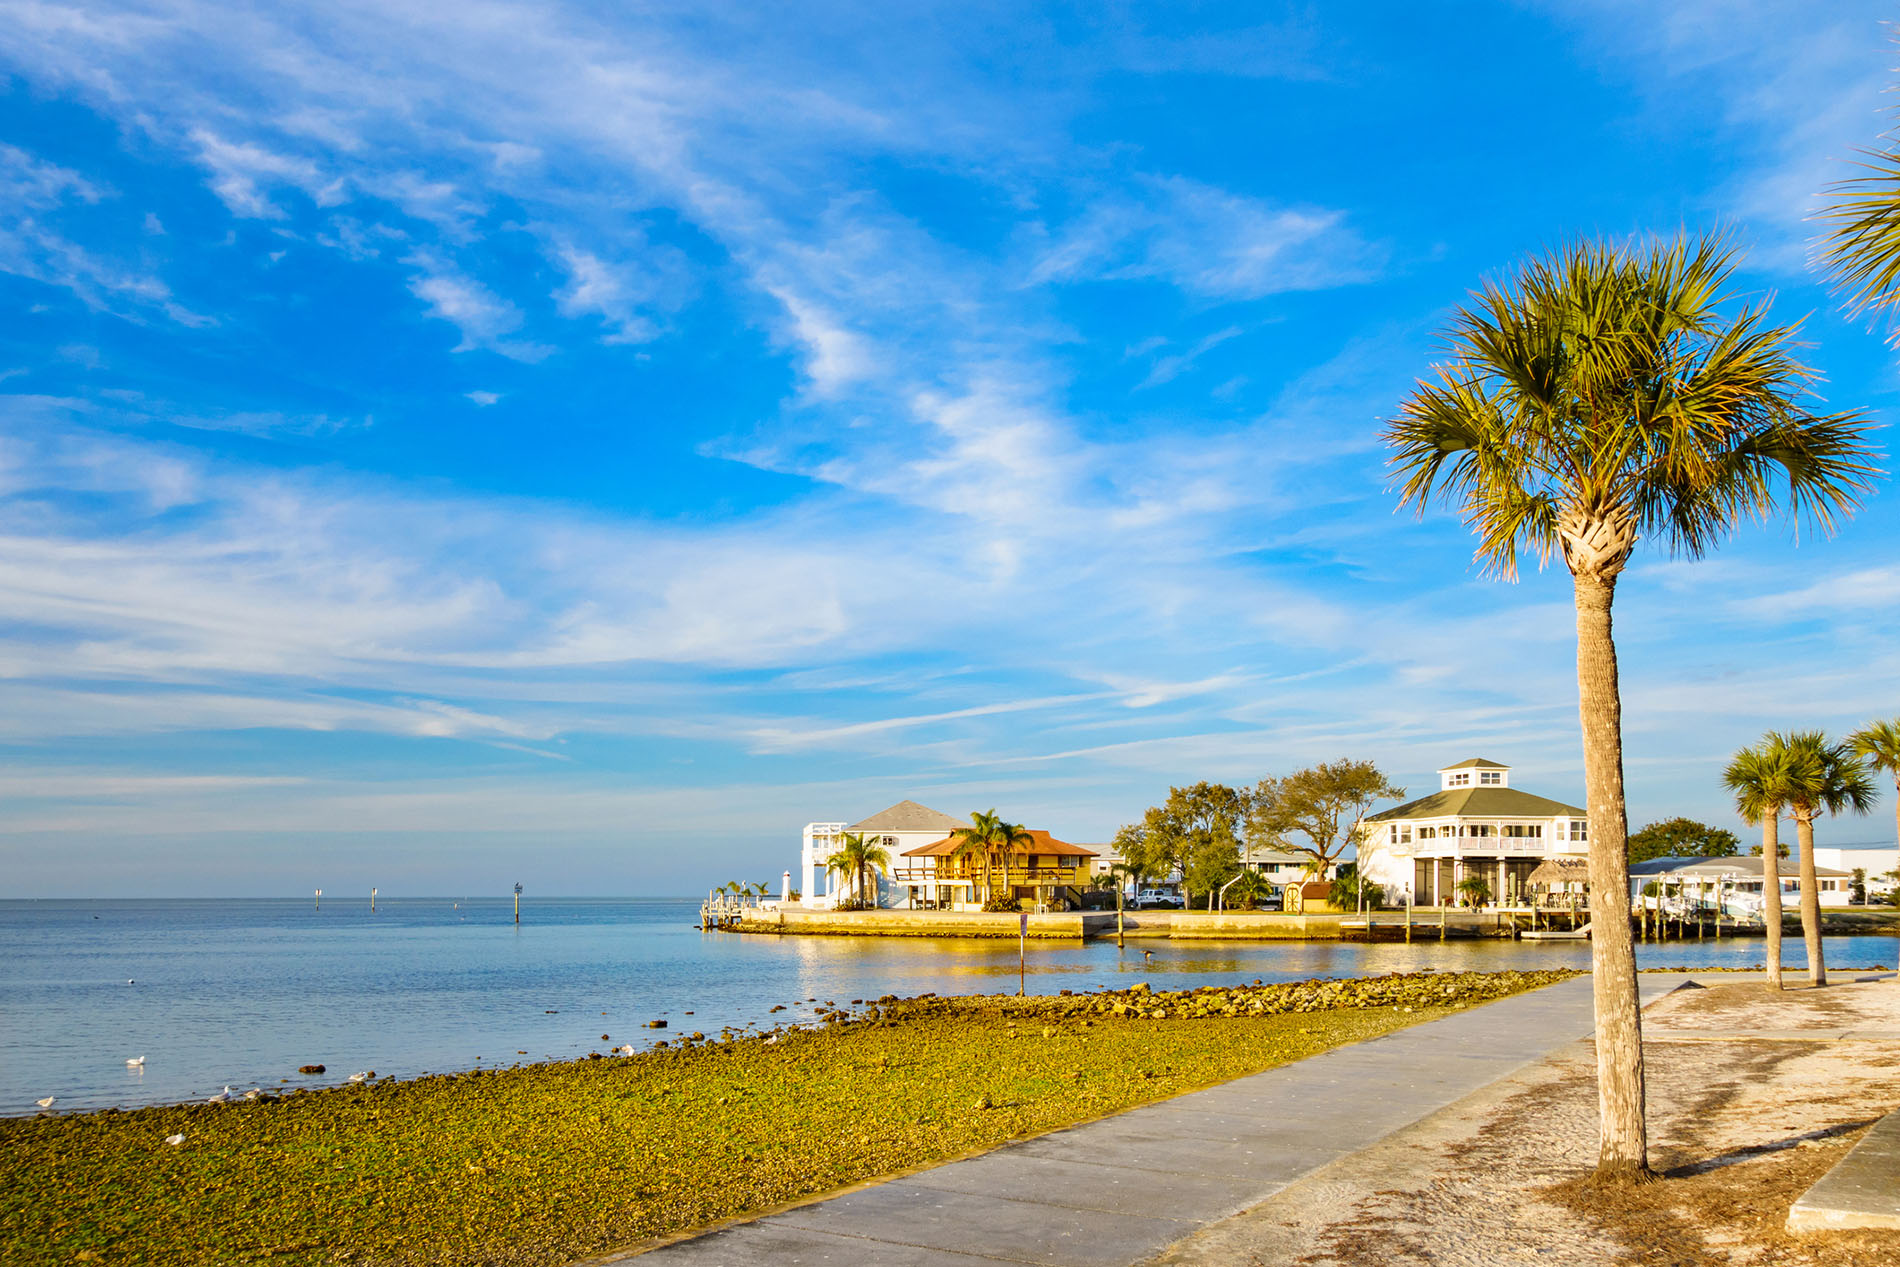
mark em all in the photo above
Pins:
pixel 1862 243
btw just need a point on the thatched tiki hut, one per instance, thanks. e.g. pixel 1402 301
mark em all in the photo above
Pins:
pixel 1565 875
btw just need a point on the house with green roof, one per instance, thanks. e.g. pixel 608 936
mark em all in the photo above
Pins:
pixel 1476 824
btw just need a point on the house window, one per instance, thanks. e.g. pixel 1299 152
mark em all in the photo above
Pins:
pixel 1427 833
pixel 1405 835
pixel 1461 780
pixel 1827 886
pixel 1490 776
pixel 1579 829
pixel 890 842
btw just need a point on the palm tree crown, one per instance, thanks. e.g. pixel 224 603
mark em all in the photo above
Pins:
pixel 1607 395
pixel 1826 778
pixel 1762 779
pixel 1878 743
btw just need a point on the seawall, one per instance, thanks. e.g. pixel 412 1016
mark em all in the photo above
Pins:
pixel 1055 926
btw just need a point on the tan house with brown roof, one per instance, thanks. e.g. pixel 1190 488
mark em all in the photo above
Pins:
pixel 927 871
pixel 1037 874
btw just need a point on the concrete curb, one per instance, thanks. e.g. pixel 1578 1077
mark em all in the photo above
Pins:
pixel 1861 1191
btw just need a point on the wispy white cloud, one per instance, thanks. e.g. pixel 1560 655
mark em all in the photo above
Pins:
pixel 1211 242
pixel 485 319
pixel 31 193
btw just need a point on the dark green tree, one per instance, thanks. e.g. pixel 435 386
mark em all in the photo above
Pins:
pixel 1682 838
pixel 1194 834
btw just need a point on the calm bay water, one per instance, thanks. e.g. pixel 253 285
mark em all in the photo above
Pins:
pixel 241 993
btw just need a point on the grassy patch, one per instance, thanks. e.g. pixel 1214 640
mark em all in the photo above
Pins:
pixel 543 1164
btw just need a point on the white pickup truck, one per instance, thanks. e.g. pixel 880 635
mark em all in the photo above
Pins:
pixel 1157 898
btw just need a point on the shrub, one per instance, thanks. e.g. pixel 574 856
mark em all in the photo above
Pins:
pixel 1002 904
pixel 1345 893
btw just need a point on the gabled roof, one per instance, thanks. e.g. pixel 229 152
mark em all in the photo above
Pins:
pixel 908 816
pixel 1476 763
pixel 1043 843
pixel 1479 802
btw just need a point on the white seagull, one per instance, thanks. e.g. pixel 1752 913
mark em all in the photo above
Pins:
pixel 220 1097
pixel 47 1103
pixel 174 1140
pixel 359 1077
pixel 135 1062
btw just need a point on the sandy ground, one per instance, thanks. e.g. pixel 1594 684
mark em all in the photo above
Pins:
pixel 1752 1097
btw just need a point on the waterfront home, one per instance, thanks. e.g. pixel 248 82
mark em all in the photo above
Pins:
pixel 1042 873
pixel 1735 882
pixel 1475 826
pixel 903 826
pixel 1878 862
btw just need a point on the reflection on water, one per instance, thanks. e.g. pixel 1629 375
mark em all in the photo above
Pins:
pixel 242 992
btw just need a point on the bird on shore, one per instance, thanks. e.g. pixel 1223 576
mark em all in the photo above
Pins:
pixel 135 1062
pixel 1147 957
pixel 47 1103
pixel 253 1093
pixel 221 1096
pixel 359 1077
pixel 174 1140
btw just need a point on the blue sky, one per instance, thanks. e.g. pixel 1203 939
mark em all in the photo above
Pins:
pixel 446 445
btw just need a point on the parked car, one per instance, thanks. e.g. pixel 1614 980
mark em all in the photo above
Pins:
pixel 1159 899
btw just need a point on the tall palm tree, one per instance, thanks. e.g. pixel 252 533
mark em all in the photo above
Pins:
pixel 1827 779
pixel 978 840
pixel 1878 744
pixel 1007 836
pixel 859 857
pixel 1762 780
pixel 1595 398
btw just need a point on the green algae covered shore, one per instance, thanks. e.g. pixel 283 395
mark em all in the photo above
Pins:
pixel 548 1163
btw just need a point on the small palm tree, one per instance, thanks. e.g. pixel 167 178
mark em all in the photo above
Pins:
pixel 1595 398
pixel 859 857
pixel 1250 890
pixel 1826 778
pixel 1762 780
pixel 1477 890
pixel 1878 744
pixel 977 840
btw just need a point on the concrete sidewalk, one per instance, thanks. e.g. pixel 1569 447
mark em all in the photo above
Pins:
pixel 1120 1190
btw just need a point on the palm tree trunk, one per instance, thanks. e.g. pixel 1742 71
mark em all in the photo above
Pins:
pixel 1771 891
pixel 1623 1154
pixel 1810 899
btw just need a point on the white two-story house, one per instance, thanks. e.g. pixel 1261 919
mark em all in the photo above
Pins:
pixel 1476 824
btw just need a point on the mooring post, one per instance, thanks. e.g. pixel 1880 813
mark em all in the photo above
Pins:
pixel 1022 951
pixel 517 904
